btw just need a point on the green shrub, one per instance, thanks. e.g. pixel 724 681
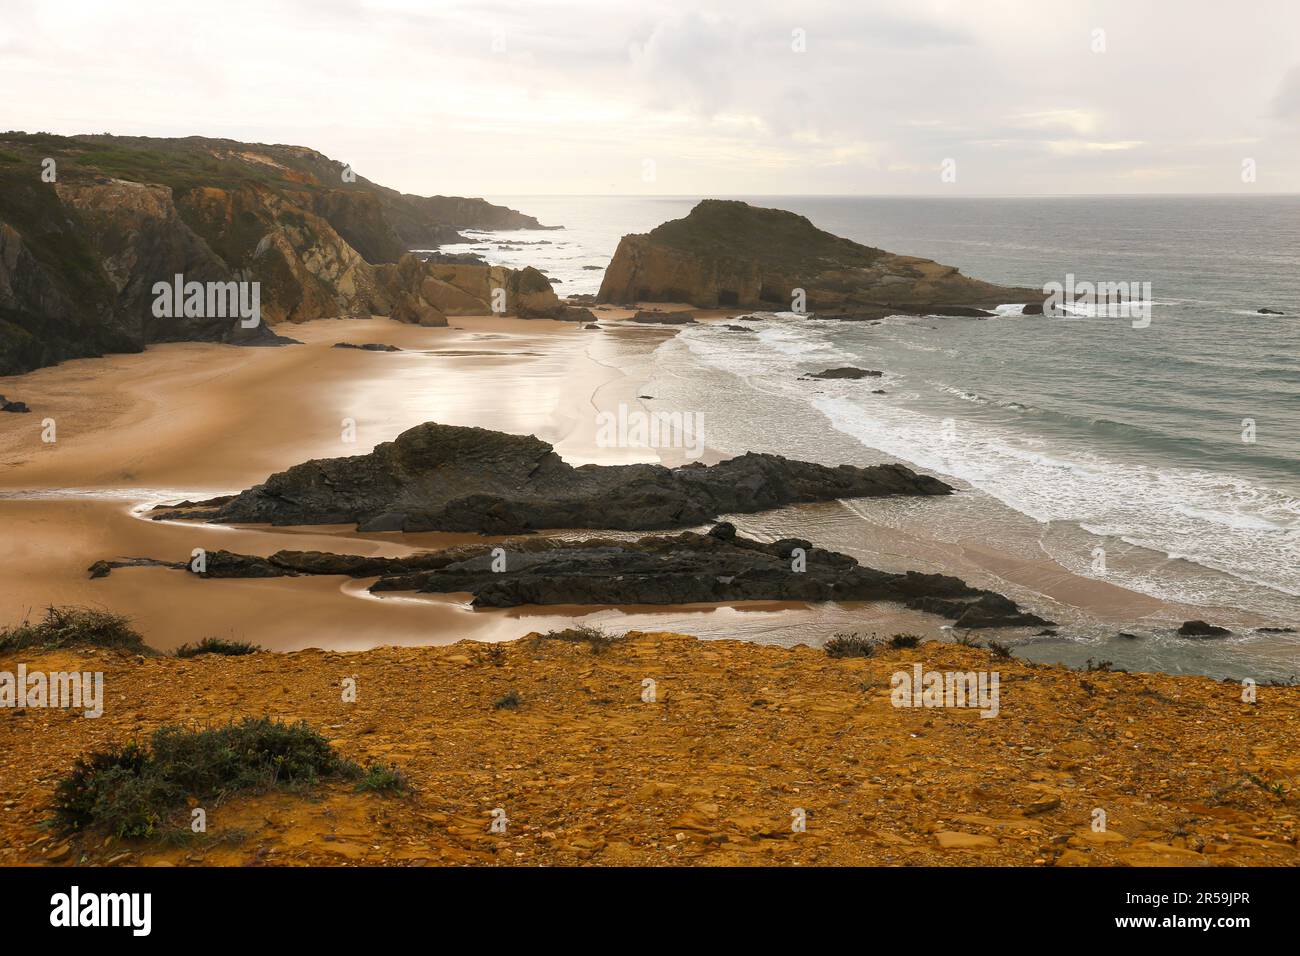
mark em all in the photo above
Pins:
pixel 901 642
pixel 133 791
pixel 598 640
pixel 509 701
pixel 74 627
pixel 217 645
pixel 851 645
pixel 384 778
pixel 1001 652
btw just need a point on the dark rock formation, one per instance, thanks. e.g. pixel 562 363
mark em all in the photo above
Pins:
pixel 738 328
pixel 450 478
pixel 12 406
pixel 664 318
pixel 368 347
pixel 847 371
pixel 1201 629
pixel 79 256
pixel 1270 312
pixel 727 253
pixel 102 569
pixel 687 568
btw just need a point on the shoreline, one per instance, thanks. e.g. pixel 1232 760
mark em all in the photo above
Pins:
pixel 196 420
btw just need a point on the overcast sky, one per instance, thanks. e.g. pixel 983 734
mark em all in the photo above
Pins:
pixel 508 97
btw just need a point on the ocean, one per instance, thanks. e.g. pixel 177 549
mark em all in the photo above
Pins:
pixel 1164 459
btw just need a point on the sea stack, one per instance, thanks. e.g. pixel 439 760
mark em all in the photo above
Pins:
pixel 727 253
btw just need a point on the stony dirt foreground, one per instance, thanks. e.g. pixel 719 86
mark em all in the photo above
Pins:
pixel 740 738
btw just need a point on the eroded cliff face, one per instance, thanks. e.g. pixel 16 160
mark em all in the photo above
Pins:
pixel 728 253
pixel 81 251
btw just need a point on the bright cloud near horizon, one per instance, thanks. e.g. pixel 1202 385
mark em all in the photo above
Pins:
pixel 513 97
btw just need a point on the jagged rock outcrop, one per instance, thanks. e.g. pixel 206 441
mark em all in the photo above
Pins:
pixel 687 568
pixel 80 254
pixel 728 253
pixel 450 478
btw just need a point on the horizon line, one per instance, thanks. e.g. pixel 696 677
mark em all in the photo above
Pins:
pixel 1166 195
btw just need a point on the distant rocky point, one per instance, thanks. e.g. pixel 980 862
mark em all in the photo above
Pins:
pixel 450 478
pixel 730 254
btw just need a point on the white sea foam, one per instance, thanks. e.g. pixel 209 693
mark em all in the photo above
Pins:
pixel 1220 522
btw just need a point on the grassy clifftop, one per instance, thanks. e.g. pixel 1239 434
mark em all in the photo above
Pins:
pixel 89 223
pixel 557 734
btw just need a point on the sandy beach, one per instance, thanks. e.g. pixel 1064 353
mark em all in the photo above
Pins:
pixel 194 420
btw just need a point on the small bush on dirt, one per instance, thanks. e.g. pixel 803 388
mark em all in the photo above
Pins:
pixel 598 640
pixel 134 791
pixel 384 778
pixel 901 642
pixel 217 645
pixel 509 701
pixel 851 645
pixel 74 627
pixel 1001 652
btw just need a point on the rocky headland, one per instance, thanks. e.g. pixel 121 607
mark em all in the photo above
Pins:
pixel 80 252
pixel 727 253
pixel 437 477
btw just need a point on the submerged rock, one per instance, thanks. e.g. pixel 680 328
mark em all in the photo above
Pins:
pixel 369 347
pixel 451 478
pixel 664 318
pixel 847 371
pixel 11 406
pixel 1201 629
